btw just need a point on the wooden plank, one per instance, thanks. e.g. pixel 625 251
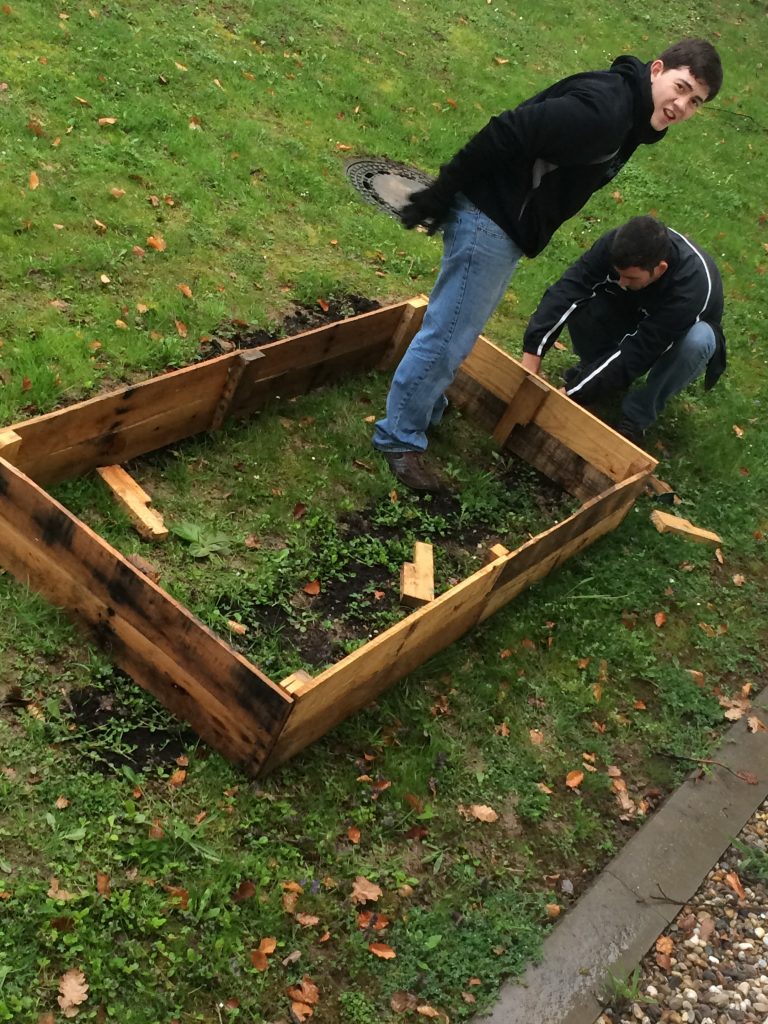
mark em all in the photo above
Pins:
pixel 500 375
pixel 417 578
pixel 198 677
pixel 540 555
pixel 234 378
pixel 123 424
pixel 410 322
pixel 131 421
pixel 10 442
pixel 135 501
pixel 315 358
pixel 665 522
pixel 522 408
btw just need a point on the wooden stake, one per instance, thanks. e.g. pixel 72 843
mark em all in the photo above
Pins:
pixel 417 578
pixel 148 523
pixel 406 330
pixel 665 522
pixel 228 392
pixel 10 442
pixel 524 405
pixel 495 551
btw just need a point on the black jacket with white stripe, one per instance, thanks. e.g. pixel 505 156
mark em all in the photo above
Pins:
pixel 627 331
pixel 533 167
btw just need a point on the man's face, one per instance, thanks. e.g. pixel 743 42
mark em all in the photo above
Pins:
pixel 635 278
pixel 676 94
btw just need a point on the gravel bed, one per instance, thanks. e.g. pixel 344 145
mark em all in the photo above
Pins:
pixel 711 965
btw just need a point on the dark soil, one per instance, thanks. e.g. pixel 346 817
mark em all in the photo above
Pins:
pixel 99 713
pixel 232 334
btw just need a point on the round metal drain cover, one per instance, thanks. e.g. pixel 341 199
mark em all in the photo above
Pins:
pixel 385 183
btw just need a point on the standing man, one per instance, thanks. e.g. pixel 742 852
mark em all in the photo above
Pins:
pixel 643 299
pixel 504 195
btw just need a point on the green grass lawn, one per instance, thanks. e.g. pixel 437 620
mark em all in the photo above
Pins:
pixel 180 889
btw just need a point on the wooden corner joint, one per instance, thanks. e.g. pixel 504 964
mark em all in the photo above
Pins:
pixel 135 501
pixel 665 522
pixel 417 578
pixel 296 682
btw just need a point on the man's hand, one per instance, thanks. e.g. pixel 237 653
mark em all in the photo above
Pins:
pixel 429 206
pixel 531 362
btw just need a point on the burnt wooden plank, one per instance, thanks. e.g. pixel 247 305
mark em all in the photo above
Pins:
pixel 230 703
pixel 131 421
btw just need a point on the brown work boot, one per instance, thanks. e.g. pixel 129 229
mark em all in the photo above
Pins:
pixel 415 473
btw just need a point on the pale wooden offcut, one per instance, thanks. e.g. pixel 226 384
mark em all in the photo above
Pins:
pixel 135 500
pixel 665 522
pixel 417 578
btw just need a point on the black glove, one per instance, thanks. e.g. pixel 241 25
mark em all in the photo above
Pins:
pixel 430 206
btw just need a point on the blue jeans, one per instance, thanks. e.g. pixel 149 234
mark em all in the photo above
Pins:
pixel 478 262
pixel 679 366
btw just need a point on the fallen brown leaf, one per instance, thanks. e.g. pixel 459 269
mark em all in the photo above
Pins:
pixel 755 725
pixel 733 881
pixel 363 890
pixel 73 991
pixel 382 950
pixel 574 779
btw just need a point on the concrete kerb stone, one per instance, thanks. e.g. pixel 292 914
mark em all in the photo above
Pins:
pixel 641 891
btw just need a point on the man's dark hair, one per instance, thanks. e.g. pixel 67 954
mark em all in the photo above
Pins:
pixel 642 242
pixel 702 59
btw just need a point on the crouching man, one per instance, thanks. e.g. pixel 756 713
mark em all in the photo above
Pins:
pixel 644 301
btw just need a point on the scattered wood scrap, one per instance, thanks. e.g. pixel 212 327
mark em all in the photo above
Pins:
pixel 417 578
pixel 130 496
pixel 665 522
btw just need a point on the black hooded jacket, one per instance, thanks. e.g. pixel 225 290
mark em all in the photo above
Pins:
pixel 533 167
pixel 620 333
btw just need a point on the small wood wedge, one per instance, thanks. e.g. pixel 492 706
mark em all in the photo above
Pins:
pixel 135 500
pixel 665 522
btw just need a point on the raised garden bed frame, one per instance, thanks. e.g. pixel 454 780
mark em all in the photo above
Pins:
pixel 250 719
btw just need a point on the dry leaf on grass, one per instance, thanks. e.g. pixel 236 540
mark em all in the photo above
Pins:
pixel 56 893
pixel 305 992
pixel 574 779
pixel 480 812
pixel 382 950
pixel 73 991
pixel 402 1002
pixel 363 890
pixel 307 920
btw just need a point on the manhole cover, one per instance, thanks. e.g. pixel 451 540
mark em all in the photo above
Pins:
pixel 385 183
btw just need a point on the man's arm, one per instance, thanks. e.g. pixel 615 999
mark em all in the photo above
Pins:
pixel 561 299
